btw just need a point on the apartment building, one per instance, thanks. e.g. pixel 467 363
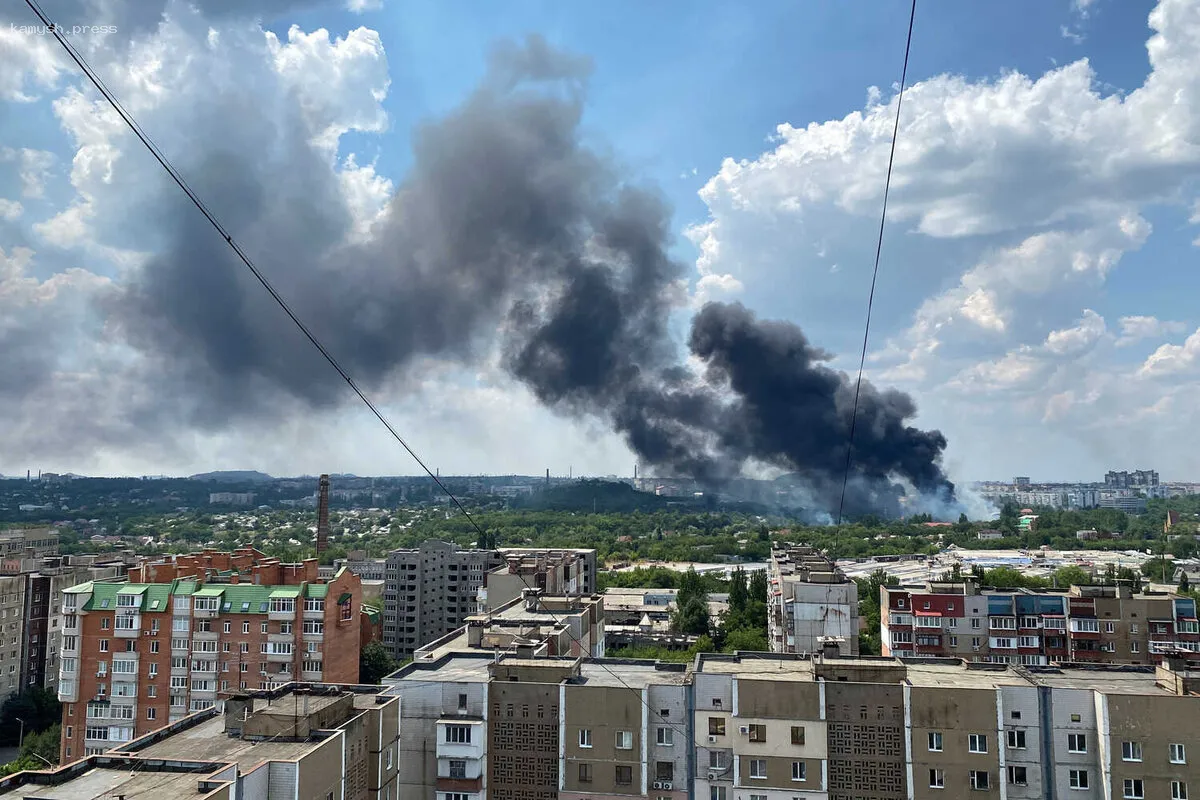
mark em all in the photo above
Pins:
pixel 570 572
pixel 428 591
pixel 1091 624
pixel 137 655
pixel 28 543
pixel 533 624
pixel 300 741
pixel 519 728
pixel 810 603
pixel 781 728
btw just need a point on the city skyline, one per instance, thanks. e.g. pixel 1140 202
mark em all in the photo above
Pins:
pixel 1058 327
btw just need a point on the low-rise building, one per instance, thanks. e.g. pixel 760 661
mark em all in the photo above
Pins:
pixel 300 741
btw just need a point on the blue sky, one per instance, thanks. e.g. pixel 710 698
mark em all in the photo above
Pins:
pixel 1037 286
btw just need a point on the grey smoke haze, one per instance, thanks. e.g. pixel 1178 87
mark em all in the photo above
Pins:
pixel 506 222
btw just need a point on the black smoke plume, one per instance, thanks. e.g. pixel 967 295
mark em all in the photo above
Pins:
pixel 506 222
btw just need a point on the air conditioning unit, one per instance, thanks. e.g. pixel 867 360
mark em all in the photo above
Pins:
pixel 666 785
pixel 145 633
pixel 712 776
pixel 657 785
pixel 712 739
pixel 744 729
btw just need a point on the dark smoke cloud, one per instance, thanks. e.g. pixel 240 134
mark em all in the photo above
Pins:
pixel 506 222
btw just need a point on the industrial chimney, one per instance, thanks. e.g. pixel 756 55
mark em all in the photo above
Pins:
pixel 323 516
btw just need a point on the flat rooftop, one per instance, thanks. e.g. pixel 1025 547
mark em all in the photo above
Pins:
pixel 784 669
pixel 458 667
pixel 209 742
pixel 606 672
pixel 955 676
pixel 107 782
pixel 1110 681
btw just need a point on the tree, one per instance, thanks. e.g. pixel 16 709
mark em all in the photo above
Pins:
pixel 374 662
pixel 1184 547
pixel 1072 576
pixel 692 617
pixel 738 594
pixel 758 586
pixel 1160 569
pixel 38 707
pixel 746 639
pixel 1184 585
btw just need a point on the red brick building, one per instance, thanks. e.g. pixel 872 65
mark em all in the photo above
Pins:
pixel 145 652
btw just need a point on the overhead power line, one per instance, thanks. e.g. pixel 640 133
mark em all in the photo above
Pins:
pixel 887 185
pixel 179 180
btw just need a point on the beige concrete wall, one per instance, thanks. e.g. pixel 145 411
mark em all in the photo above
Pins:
pixel 320 771
pixel 1154 722
pixel 605 711
pixel 955 713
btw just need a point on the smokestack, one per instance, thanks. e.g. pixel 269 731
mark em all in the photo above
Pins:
pixel 323 516
pixel 635 471
pixel 547 476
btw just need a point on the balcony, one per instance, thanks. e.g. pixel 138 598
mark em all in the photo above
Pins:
pixel 320 614
pixel 205 612
pixel 280 657
pixel 472 749
pixel 281 637
pixel 205 636
pixel 128 630
pixel 459 785
pixel 314 676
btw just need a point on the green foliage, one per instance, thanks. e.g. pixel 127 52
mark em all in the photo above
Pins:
pixel 746 639
pixel 1185 585
pixel 1072 576
pixel 1159 569
pixel 1009 578
pixel 38 707
pixel 691 616
pixel 374 662
pixel 869 611
pixel 738 594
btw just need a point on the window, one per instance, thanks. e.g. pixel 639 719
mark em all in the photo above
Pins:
pixel 1131 751
pixel 799 771
pixel 1016 715
pixel 585 773
pixel 104 623
pixel 152 691
pixel 1179 790
pixel 1018 776
pixel 758 768
pixel 758 733
pixel 716 726
pixel 664 771
pixel 975 622
pixel 935 741
pixel 104 645
pixel 1134 647
pixel 264 628
pixel 286 605
pixel 665 737
pixel 977 743
pixel 624 740
pixel 125 622
pixel 717 793
pixel 1016 740
pixel 151 712
pixel 458 769
pixel 1076 717
pixel 937 779
pixel 1177 753
pixel 348 614
pixel 624 775
pixel 314 627
pixel 585 737
pixel 458 734
pixel 1134 789
pixel 1078 779
pixel 154 647
pixel 979 780
pixel 798 734
pixel 716 759
pixel 311 604
pixel 1110 627
pixel 179 682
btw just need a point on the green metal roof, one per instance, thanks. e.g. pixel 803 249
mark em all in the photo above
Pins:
pixel 285 591
pixel 317 591
pixel 158 597
pixel 345 598
pixel 183 587
pixel 210 591
pixel 80 588
pixel 132 588
pixel 236 598
pixel 247 598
